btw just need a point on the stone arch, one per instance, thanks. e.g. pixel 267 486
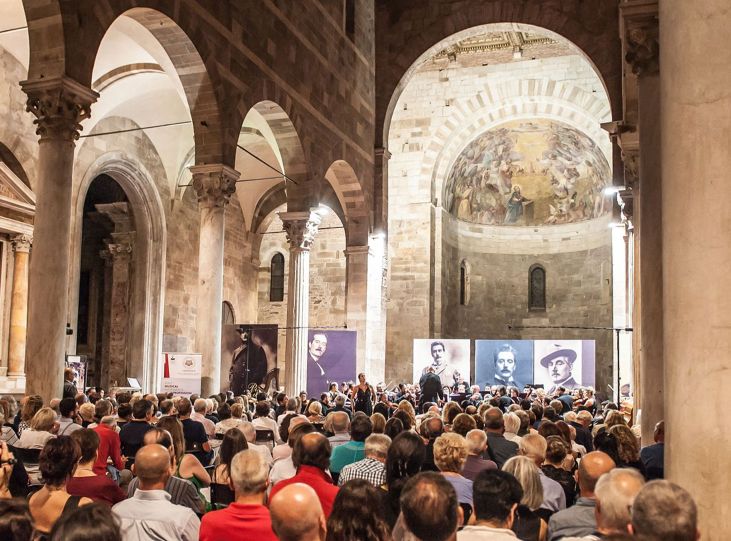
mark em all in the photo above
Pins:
pixel 228 316
pixel 347 187
pixel 409 46
pixel 151 241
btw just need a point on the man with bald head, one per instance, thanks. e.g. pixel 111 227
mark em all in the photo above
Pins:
pixel 311 458
pixel 149 515
pixel 579 519
pixel 297 515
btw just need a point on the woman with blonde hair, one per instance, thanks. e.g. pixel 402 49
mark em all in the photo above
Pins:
pixel 450 455
pixel 314 412
pixel 528 525
pixel 379 423
pixel 43 427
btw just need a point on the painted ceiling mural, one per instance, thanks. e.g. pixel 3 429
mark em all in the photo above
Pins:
pixel 537 172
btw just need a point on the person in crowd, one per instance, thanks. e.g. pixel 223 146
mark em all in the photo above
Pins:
pixel 133 433
pixel 340 406
pixel 384 406
pixel 93 522
pixel 230 417
pixel 340 425
pixel 246 517
pixel 354 450
pixel 653 456
pixel 348 521
pixel 57 463
pixel 315 412
pixel 498 448
pixel 69 387
pixel 167 407
pixel 379 423
pixel 431 387
pixel 393 428
pixel 405 459
pixel 429 509
pixel 124 414
pixel 497 495
pixel 283 468
pixel 30 406
pixel 16 522
pixel 476 449
pixel 7 433
pixel 297 514
pixel 463 423
pixel 149 515
pixel 250 434
pixel 450 454
pixel 200 408
pixel 181 492
pixel 628 448
pixel 187 466
pixel 311 459
pixel 363 396
pixel 86 414
pixel 373 467
pixel 43 427
pixel 67 421
pixel 663 510
pixel 262 421
pixel 233 443
pixel 581 421
pixel 110 446
pixel 512 426
pixel 431 428
pixel 579 520
pixel 528 523
pixel 556 452
pixel 290 408
pixel 85 482
pixel 196 438
pixel 534 447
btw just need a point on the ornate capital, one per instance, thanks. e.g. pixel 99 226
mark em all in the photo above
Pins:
pixel 118 247
pixel 301 228
pixel 59 104
pixel 631 160
pixel 22 243
pixel 214 184
pixel 641 36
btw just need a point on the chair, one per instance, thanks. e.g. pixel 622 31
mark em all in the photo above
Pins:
pixel 29 458
pixel 265 436
pixel 467 509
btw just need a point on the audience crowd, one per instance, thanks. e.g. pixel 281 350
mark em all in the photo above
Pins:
pixel 493 465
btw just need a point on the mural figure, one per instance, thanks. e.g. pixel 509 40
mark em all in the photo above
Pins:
pixel 515 205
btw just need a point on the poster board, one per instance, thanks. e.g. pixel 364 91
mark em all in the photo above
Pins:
pixel 248 356
pixel 450 359
pixel 503 362
pixel 566 363
pixel 182 373
pixel 331 358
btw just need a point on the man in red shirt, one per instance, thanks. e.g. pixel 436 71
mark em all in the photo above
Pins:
pixel 247 517
pixel 311 458
pixel 110 445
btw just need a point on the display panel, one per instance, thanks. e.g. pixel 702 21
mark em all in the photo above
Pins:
pixel 503 362
pixel 331 358
pixel 450 359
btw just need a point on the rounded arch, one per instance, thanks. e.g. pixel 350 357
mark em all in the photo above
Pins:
pixel 151 241
pixel 407 48
pixel 228 315
pixel 537 287
pixel 350 197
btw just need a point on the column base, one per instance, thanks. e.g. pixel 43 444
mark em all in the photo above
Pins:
pixel 12 384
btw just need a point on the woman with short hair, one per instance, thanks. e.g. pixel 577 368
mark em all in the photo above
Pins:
pixel 42 427
pixel 450 455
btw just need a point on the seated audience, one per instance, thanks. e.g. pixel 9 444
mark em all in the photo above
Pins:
pixel 534 447
pixel 8 434
pixel 450 454
pixel 429 509
pixel 379 423
pixel 233 443
pixel 110 446
pixel 653 456
pixel 289 409
pixel 85 482
pixel 348 519
pixel 496 498
pixel 393 428
pixel 284 468
pixel 247 517
pixel 297 514
pixel 57 464
pixel 512 426
pixel 311 459
pixel 663 510
pixel 314 412
pixel 340 425
pixel 404 460
pixel 262 421
pixel 430 429
pixel 149 514
pixel 476 448
pixel 579 520
pixel 354 450
pixel 16 522
pixel 340 406
pixel 133 433
pixel 250 434
pixel 86 414
pixel 200 408
pixel 196 439
pixel 528 523
pixel 67 421
pixel 42 428
pixel 30 405
pixel 373 467
pixel 235 420
pixel 628 448
pixel 93 522
pixel 463 423
pixel 552 467
pixel 498 448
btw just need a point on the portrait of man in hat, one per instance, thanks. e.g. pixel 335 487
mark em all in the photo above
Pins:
pixel 558 363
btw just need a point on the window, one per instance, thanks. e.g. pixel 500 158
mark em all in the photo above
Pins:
pixel 227 315
pixel 276 282
pixel 349 19
pixel 464 283
pixel 537 288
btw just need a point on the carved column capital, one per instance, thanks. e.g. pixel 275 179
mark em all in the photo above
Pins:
pixel 214 184
pixel 119 247
pixel 22 243
pixel 301 228
pixel 59 104
pixel 631 160
pixel 641 36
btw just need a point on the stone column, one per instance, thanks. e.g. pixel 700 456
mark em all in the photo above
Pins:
pixel 356 299
pixel 301 229
pixel 19 306
pixel 59 104
pixel 696 227
pixel 119 250
pixel 641 52
pixel 214 186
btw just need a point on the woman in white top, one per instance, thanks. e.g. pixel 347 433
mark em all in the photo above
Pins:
pixel 264 422
pixel 43 427
pixel 235 420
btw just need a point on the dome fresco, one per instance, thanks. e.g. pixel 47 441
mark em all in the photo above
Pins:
pixel 537 172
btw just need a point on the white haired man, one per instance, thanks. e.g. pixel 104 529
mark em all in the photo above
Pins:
pixel 373 467
pixel 663 510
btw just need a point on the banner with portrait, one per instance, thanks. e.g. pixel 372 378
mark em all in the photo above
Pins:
pixel 564 363
pixel 503 362
pixel 331 358
pixel 449 358
pixel 181 373
pixel 249 358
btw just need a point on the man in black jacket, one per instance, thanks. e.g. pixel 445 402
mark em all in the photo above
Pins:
pixel 498 448
pixel 431 387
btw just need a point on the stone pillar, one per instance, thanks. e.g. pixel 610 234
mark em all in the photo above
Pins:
pixel 641 52
pixel 214 186
pixel 19 306
pixel 59 104
pixel 301 229
pixel 356 300
pixel 696 227
pixel 119 250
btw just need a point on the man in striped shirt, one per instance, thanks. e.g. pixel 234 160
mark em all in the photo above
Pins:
pixel 373 467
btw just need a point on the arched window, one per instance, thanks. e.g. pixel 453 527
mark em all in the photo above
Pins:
pixel 227 315
pixel 349 19
pixel 276 282
pixel 537 288
pixel 464 283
